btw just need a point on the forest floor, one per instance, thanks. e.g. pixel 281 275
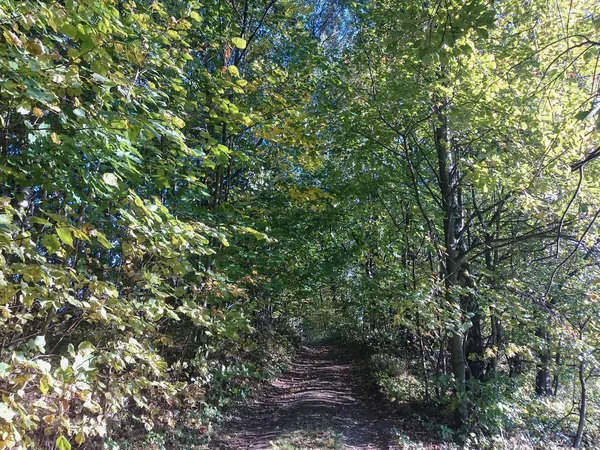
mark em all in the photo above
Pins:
pixel 325 400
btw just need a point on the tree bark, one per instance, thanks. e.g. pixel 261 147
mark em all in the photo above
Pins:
pixel 556 380
pixel 475 344
pixel 542 379
pixel 448 184
pixel 582 405
pixel 496 326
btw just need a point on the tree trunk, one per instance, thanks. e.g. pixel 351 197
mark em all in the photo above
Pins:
pixel 555 381
pixel 582 405
pixel 542 380
pixel 475 345
pixel 448 182
pixel 515 364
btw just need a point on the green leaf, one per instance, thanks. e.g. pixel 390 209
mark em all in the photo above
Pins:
pixel 581 115
pixel 62 443
pixel 69 30
pixel 65 235
pixel 103 241
pixel 239 42
pixel 233 71
pixel 40 221
pixel 6 222
pixel 51 242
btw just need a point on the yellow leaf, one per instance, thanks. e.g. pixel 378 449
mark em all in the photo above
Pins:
pixel 5 312
pixel 62 443
pixel 7 443
pixel 37 112
pixel 234 71
pixel 54 138
pixel 44 384
pixel 239 42
pixel 179 123
pixel 79 438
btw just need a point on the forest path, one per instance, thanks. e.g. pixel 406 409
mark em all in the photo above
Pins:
pixel 324 400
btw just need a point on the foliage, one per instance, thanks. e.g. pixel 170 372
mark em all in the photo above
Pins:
pixel 119 134
pixel 395 380
pixel 183 185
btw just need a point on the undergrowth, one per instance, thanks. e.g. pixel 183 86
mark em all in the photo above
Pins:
pixel 231 378
pixel 505 413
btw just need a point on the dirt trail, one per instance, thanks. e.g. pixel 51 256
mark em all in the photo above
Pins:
pixel 323 401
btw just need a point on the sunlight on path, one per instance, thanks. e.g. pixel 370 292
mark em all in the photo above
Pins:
pixel 321 402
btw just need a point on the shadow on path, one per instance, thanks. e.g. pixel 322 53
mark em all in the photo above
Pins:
pixel 324 400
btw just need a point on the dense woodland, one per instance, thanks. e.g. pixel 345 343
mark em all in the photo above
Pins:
pixel 188 188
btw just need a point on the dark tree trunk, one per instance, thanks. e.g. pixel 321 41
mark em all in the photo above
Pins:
pixel 555 381
pixel 542 382
pixel 543 385
pixel 515 364
pixel 453 241
pixel 542 379
pixel 475 348
pixel 475 345
pixel 496 326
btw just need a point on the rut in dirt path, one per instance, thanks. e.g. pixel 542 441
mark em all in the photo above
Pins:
pixel 324 400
